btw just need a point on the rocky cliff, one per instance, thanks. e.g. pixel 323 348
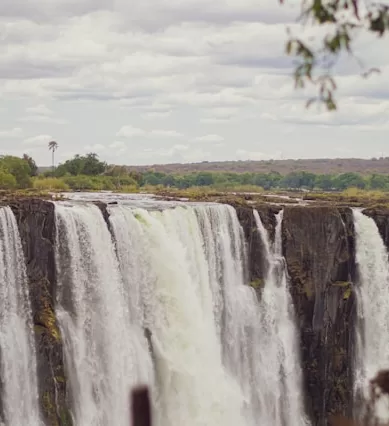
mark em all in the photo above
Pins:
pixel 318 244
pixel 37 230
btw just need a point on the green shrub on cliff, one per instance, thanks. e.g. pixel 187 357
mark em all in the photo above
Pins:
pixel 7 181
pixel 18 168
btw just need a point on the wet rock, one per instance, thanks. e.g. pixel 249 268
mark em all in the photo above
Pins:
pixel 319 249
pixel 258 263
pixel 36 223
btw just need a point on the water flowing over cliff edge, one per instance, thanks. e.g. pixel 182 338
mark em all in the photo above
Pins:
pixel 230 315
pixel 19 392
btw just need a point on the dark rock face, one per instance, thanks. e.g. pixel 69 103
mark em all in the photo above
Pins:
pixel 36 223
pixel 257 267
pixel 318 245
pixel 319 251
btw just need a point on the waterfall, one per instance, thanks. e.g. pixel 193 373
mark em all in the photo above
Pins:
pixel 162 256
pixel 372 304
pixel 164 301
pixel 17 348
pixel 279 369
pixel 105 355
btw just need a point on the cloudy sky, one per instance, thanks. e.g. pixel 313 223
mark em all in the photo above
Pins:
pixel 159 81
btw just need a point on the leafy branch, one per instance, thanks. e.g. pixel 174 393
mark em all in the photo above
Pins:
pixel 345 17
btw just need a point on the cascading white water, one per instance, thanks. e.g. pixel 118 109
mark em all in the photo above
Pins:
pixel 17 348
pixel 161 255
pixel 105 353
pixel 179 274
pixel 373 304
pixel 279 370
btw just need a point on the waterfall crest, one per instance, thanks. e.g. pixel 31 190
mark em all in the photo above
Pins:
pixel 373 304
pixel 17 347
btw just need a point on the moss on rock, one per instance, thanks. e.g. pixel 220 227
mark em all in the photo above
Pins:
pixel 257 283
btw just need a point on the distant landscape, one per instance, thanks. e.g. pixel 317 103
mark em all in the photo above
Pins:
pixel 314 165
pixel 89 173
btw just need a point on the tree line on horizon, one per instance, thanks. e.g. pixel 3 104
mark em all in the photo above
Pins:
pixel 87 172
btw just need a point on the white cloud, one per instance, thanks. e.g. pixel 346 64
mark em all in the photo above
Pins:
pixel 117 145
pixel 16 132
pixel 97 147
pixel 131 132
pixel 183 74
pixel 211 138
pixel 243 155
pixel 41 114
pixel 38 140
pixel 166 133
pixel 156 114
pixel 40 109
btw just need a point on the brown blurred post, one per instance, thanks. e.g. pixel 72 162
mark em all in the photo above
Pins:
pixel 140 407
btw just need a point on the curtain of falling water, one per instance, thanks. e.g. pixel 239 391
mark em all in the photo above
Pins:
pixel 373 305
pixel 180 274
pixel 161 255
pixel 17 348
pixel 105 353
pixel 282 396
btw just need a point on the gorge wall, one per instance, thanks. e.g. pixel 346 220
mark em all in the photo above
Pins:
pixel 319 248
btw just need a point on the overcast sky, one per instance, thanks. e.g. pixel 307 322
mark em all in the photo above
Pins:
pixel 159 81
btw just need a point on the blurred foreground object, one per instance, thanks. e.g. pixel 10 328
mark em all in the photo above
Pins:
pixel 379 388
pixel 140 407
pixel 343 20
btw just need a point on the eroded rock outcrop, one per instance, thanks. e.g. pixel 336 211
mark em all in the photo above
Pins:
pixel 36 223
pixel 257 262
pixel 319 251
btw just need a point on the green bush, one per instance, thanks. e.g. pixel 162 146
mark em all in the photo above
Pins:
pixel 80 183
pixel 7 181
pixel 19 168
pixel 50 183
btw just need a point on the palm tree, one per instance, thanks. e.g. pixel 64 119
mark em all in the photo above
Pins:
pixel 53 145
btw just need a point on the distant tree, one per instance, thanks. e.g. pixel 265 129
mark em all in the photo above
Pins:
pixel 18 168
pixel 138 178
pixel 169 180
pixel 32 164
pixel 74 167
pixel 82 165
pixel 349 180
pixel 53 146
pixel 113 170
pixel 204 179
pixel 151 179
pixel 324 182
pixel 7 181
pixel 92 165
pixel 345 18
pixel 378 182
pixel 297 180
